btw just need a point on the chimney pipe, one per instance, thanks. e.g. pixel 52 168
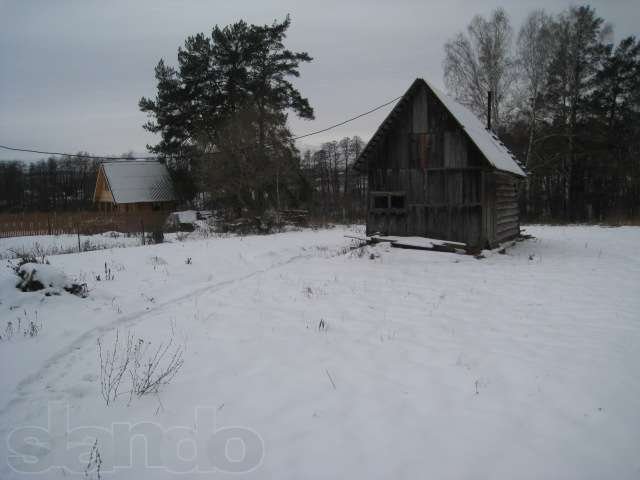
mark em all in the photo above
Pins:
pixel 489 99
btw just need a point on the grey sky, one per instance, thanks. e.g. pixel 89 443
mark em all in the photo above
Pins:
pixel 72 71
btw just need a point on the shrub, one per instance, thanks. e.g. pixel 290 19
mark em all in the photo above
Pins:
pixel 39 276
pixel 148 368
pixel 152 368
pixel 113 366
pixel 94 465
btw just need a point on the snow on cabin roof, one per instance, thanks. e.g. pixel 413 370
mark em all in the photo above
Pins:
pixel 487 142
pixel 134 181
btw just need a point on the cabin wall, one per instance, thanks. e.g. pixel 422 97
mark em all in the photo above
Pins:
pixel 426 177
pixel 507 214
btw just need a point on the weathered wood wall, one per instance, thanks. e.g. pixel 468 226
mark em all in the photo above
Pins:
pixel 428 159
pixel 507 220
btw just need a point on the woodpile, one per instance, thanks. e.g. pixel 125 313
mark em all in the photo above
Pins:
pixel 298 218
pixel 268 222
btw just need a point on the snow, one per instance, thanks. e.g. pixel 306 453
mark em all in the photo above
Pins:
pixel 372 363
pixel 47 275
pixel 55 244
pixel 187 216
pixel 489 144
pixel 423 242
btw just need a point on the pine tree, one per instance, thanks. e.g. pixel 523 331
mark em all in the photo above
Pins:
pixel 615 111
pixel 232 85
pixel 571 78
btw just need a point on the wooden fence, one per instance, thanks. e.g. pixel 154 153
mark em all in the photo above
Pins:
pixel 84 223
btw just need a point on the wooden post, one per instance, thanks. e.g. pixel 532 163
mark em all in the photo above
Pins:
pixel 78 232
pixel 142 227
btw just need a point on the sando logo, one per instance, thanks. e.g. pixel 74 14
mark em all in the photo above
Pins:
pixel 202 447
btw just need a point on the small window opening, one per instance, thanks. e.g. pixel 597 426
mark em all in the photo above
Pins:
pixel 380 202
pixel 397 201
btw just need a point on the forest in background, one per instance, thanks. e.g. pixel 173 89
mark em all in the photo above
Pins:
pixel 58 183
pixel 565 99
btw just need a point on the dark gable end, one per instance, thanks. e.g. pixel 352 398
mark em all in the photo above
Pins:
pixel 489 145
pixel 434 170
pixel 385 126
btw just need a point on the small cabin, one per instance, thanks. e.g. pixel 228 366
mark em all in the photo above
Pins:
pixel 434 170
pixel 133 186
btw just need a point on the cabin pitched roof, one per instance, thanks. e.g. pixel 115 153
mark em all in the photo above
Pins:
pixel 134 181
pixel 487 142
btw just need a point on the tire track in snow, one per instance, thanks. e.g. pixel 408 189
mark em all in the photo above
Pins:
pixel 22 389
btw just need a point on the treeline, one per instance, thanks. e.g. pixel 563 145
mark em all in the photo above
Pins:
pixel 337 190
pixel 566 99
pixel 321 180
pixel 58 183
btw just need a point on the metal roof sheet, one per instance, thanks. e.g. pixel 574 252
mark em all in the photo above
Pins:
pixel 134 181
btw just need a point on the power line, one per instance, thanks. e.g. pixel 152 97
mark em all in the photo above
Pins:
pixel 349 120
pixel 101 157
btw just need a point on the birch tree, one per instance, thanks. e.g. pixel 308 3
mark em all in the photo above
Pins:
pixel 481 60
pixel 535 47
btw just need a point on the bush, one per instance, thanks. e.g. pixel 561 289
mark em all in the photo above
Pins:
pixel 36 255
pixel 113 366
pixel 151 368
pixel 94 465
pixel 148 368
pixel 40 276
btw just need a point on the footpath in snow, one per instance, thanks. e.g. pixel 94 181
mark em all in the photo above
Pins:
pixel 329 362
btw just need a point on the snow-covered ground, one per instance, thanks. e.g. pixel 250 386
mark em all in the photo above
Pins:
pixel 306 360
pixel 57 244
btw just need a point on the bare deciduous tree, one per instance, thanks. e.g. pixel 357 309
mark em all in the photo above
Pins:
pixel 535 49
pixel 479 61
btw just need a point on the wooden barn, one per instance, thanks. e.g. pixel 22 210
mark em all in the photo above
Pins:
pixel 434 170
pixel 133 185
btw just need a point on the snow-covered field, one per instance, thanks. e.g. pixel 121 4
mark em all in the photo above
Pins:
pixel 306 360
pixel 56 244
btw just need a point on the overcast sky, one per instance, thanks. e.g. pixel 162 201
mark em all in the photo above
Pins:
pixel 72 71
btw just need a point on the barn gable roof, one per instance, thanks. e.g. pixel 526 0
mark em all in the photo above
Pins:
pixel 134 181
pixel 487 142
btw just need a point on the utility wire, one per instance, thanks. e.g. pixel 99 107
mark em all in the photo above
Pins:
pixel 347 121
pixel 100 157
